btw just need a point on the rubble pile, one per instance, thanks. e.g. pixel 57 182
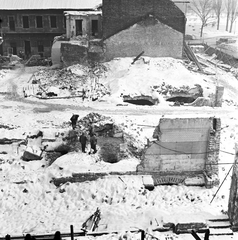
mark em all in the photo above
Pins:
pixel 169 91
pixel 2 73
pixel 102 125
pixel 4 59
pixel 37 60
pixel 106 127
pixel 72 80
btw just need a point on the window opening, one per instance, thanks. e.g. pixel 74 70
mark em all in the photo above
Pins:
pixel 25 20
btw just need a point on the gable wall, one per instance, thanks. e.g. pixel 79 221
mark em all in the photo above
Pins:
pixel 121 14
pixel 149 36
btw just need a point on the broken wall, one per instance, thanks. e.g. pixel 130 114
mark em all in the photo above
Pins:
pixel 74 53
pixel 150 36
pixel 233 199
pixel 184 145
pixel 119 15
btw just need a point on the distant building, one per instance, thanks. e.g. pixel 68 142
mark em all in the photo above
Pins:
pixel 182 5
pixel 83 23
pixel 156 27
pixel 30 26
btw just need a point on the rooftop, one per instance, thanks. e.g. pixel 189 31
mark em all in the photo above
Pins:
pixel 49 4
pixel 81 13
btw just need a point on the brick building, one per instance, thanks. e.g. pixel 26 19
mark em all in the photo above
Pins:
pixel 156 27
pixel 30 26
pixel 83 23
pixel 184 148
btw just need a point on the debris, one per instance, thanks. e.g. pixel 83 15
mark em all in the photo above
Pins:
pixel 136 58
pixel 71 82
pixel 91 223
pixel 192 56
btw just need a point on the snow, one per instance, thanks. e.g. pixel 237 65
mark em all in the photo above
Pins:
pixel 137 79
pixel 78 162
pixel 30 203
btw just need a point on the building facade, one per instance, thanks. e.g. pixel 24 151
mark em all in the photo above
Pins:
pixel 85 24
pixel 31 31
pixel 30 26
pixel 155 27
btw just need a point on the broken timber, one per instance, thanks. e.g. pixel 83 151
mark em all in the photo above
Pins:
pixel 192 56
pixel 137 57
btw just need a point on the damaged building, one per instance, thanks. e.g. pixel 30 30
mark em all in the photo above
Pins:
pixel 125 29
pixel 233 198
pixel 130 27
pixel 31 26
pixel 186 150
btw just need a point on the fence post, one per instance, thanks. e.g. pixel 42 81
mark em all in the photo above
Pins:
pixel 72 232
pixel 142 235
pixel 8 237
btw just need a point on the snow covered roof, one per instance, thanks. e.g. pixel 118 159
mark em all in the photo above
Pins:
pixel 49 4
pixel 80 13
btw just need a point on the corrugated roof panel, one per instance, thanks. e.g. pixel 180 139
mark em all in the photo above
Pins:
pixel 48 4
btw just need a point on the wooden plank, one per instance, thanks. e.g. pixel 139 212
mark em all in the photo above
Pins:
pixel 189 123
pixel 184 135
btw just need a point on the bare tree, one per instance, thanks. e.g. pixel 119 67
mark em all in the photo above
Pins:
pixel 228 12
pixel 217 6
pixel 203 9
pixel 233 13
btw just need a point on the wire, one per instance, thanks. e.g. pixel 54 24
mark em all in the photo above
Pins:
pixel 193 153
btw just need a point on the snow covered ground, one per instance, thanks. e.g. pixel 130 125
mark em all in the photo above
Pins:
pixel 30 203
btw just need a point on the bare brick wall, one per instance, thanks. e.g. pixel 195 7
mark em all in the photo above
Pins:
pixel 150 36
pixel 185 145
pixel 121 14
pixel 73 53
pixel 233 199
pixel 213 148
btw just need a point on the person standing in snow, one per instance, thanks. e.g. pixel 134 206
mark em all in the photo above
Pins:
pixel 83 140
pixel 93 143
pixel 74 120
pixel 83 94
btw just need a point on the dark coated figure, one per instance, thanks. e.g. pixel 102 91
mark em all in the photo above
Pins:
pixel 93 143
pixel 74 120
pixel 83 140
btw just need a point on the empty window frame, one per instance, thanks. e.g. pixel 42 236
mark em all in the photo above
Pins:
pixel 53 22
pixel 11 23
pixel 13 45
pixel 25 21
pixel 39 22
pixel 94 27
pixel 64 22
pixel 40 46
pixel 79 27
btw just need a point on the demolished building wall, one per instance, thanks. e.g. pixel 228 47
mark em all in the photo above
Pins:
pixel 150 36
pixel 119 15
pixel 184 145
pixel 74 53
pixel 233 199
